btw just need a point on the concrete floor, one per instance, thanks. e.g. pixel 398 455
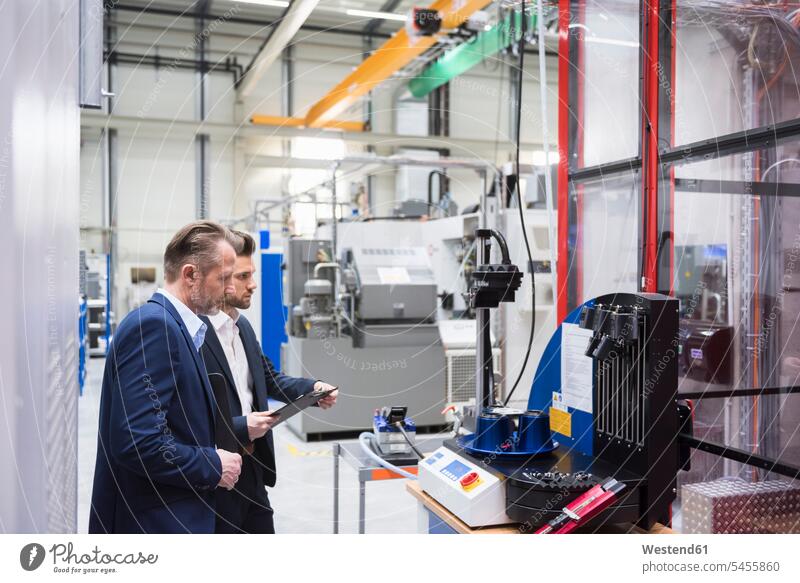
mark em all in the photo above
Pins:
pixel 303 495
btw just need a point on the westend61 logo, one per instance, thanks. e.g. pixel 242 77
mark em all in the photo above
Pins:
pixel 66 560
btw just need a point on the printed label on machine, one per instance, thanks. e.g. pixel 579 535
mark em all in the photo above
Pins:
pixel 393 275
pixel 560 422
pixel 576 368
pixel 558 402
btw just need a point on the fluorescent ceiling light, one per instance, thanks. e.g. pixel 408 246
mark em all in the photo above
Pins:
pixel 373 14
pixel 278 3
pixel 349 12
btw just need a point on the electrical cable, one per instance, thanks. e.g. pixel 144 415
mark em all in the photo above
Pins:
pixel 520 205
pixel 399 425
pixel 365 439
pixel 505 258
pixel 778 163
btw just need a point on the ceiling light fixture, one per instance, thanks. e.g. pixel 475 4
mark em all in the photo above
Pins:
pixel 378 15
pixel 276 3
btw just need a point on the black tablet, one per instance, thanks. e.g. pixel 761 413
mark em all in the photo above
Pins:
pixel 293 408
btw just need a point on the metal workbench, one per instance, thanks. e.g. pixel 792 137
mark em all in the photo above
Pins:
pixel 368 471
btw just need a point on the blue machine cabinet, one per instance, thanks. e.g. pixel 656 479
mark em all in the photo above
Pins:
pixel 273 312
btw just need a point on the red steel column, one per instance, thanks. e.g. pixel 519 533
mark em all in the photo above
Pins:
pixel 650 146
pixel 562 267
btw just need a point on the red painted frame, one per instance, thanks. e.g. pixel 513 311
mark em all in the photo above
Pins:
pixel 650 145
pixel 649 153
pixel 562 262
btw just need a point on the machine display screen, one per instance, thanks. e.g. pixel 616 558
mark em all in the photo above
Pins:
pixel 455 470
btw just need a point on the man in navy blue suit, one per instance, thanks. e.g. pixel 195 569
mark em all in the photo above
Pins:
pixel 158 467
pixel 232 351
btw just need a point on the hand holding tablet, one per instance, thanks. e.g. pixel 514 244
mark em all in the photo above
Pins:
pixel 293 408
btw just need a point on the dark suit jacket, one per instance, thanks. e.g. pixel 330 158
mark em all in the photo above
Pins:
pixel 267 382
pixel 157 467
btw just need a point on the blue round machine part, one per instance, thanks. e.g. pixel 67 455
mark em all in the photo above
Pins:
pixel 497 434
pixel 494 432
pixel 534 432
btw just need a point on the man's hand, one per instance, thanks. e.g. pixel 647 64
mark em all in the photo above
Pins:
pixel 259 422
pixel 327 401
pixel 231 468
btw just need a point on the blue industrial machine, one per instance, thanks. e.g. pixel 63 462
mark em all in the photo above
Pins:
pixel 602 409
pixel 273 312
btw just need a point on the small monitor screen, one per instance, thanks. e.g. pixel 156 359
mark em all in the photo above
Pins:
pixel 455 470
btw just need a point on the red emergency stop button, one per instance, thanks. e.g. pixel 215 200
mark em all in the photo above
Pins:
pixel 471 480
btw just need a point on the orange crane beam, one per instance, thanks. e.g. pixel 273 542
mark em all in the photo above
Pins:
pixel 393 55
pixel 299 122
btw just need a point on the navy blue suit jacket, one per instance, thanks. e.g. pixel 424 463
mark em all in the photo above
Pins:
pixel 267 382
pixel 157 467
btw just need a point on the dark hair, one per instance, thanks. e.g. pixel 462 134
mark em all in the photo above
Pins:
pixel 244 244
pixel 195 243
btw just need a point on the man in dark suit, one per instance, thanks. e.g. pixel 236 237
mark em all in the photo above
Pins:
pixel 157 464
pixel 232 351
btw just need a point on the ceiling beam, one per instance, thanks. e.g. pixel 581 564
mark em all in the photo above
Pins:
pixel 294 17
pixel 299 122
pixel 158 128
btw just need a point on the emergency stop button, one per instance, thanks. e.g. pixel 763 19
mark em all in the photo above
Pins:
pixel 469 481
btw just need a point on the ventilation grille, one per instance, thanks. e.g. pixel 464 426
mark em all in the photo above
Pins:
pixel 461 374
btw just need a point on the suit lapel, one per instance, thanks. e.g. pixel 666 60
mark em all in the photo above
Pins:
pixel 198 361
pixel 215 347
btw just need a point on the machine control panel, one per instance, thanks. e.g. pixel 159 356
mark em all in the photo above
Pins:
pixel 455 470
pixel 464 487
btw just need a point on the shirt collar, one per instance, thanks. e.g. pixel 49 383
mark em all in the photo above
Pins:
pixel 219 320
pixel 194 325
pixel 222 318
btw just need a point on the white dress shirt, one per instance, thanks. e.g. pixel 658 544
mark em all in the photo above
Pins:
pixel 228 334
pixel 194 325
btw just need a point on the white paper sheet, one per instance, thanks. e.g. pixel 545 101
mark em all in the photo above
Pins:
pixel 576 368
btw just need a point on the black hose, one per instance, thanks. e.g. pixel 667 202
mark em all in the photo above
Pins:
pixel 520 203
pixel 501 242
